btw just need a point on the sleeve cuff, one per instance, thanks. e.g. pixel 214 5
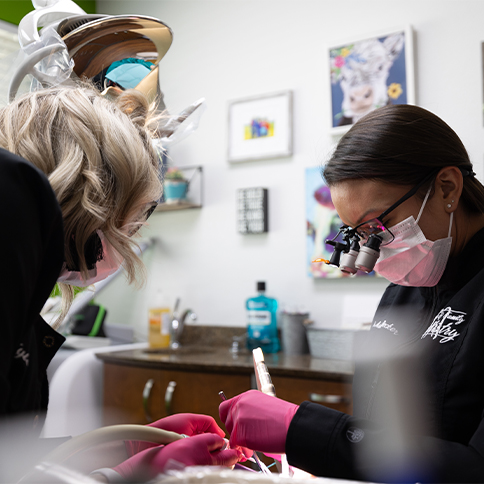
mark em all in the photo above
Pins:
pixel 310 437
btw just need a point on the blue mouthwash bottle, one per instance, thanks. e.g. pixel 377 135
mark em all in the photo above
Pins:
pixel 262 322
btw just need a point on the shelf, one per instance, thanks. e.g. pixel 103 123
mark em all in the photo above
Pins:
pixel 169 207
pixel 194 175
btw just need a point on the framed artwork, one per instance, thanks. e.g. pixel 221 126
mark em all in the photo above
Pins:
pixel 370 72
pixel 252 211
pixel 260 127
pixel 322 223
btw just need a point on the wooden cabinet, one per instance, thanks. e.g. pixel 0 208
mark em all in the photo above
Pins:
pixel 137 394
pixel 332 394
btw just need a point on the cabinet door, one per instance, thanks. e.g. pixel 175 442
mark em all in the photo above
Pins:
pixel 142 395
pixel 131 394
pixel 332 394
pixel 196 392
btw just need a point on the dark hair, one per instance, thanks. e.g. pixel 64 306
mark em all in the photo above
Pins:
pixel 401 144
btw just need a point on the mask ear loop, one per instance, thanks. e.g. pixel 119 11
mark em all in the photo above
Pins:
pixel 423 204
pixel 450 225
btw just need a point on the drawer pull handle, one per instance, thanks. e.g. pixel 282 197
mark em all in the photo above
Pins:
pixel 146 397
pixel 170 389
pixel 333 399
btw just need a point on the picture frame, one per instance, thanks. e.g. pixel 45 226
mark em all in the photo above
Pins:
pixel 322 223
pixel 260 127
pixel 368 72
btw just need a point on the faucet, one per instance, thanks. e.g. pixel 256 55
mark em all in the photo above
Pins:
pixel 178 323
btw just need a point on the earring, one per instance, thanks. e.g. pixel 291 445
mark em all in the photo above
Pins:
pixel 449 205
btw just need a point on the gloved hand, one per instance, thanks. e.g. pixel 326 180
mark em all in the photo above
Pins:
pixel 203 449
pixel 181 423
pixel 189 424
pixel 257 421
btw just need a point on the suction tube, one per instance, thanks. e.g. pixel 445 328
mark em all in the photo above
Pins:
pixel 108 434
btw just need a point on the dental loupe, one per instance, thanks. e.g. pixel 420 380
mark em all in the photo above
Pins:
pixel 349 256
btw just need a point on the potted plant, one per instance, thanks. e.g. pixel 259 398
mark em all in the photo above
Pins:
pixel 175 185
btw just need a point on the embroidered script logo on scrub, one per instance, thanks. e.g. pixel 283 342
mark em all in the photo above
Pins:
pixel 442 326
pixel 385 325
pixel 22 354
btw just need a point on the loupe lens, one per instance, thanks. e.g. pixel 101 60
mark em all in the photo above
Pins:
pixel 369 254
pixel 347 263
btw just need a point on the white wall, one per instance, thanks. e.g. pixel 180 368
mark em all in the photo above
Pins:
pixel 229 49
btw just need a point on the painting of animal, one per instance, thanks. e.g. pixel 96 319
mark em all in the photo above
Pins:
pixel 368 74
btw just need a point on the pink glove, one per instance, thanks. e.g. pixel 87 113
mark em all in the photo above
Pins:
pixel 257 421
pixel 181 423
pixel 203 449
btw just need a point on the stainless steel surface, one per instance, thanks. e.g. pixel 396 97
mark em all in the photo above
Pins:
pixel 334 399
pixel 175 327
pixel 146 397
pixel 170 389
pixel 178 324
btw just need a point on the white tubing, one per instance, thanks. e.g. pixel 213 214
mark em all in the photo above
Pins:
pixel 108 434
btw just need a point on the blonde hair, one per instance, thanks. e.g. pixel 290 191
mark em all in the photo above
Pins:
pixel 99 159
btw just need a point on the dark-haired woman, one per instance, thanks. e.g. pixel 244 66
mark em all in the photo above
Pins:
pixel 402 174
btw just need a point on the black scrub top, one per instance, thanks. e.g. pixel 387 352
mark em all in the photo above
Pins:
pixel 31 258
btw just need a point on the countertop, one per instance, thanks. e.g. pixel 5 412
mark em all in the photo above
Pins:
pixel 207 349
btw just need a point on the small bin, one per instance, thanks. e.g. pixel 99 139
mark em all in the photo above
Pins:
pixel 294 338
pixel 333 344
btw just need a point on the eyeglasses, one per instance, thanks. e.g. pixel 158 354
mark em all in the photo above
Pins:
pixel 141 218
pixel 376 226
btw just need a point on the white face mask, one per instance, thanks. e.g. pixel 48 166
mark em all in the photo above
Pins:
pixel 109 264
pixel 411 259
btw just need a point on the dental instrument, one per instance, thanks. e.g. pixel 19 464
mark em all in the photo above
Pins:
pixel 263 468
pixel 265 385
pixel 262 376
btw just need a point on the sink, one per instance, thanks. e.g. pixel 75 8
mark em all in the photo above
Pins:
pixel 181 350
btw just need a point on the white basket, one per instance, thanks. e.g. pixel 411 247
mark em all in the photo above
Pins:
pixel 333 344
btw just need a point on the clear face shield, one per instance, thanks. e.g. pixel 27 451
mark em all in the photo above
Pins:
pixel 60 43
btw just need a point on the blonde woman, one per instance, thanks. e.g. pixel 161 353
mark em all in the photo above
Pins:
pixel 78 177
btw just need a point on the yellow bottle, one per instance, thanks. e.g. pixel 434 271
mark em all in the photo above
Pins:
pixel 159 318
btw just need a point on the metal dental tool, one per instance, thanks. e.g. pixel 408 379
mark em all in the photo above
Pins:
pixel 263 468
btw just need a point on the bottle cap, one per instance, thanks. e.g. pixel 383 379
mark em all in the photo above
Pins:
pixel 261 286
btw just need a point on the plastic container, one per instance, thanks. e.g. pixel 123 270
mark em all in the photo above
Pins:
pixel 262 322
pixel 159 320
pixel 333 344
